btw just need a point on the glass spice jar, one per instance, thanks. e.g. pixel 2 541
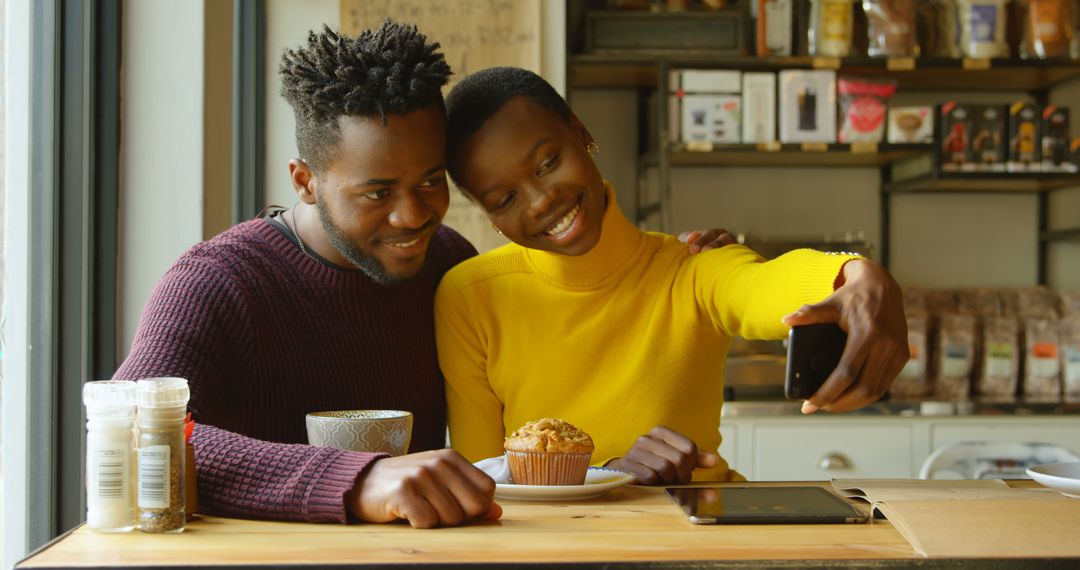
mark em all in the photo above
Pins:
pixel 110 446
pixel 162 404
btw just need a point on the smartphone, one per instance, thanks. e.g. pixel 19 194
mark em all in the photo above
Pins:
pixel 812 354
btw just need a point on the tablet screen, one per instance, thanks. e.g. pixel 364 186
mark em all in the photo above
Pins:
pixel 769 505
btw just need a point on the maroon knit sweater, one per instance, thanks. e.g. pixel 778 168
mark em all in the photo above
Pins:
pixel 265 334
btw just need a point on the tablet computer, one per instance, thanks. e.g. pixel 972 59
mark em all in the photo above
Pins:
pixel 764 505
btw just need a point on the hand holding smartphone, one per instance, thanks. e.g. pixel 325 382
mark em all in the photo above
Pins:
pixel 813 353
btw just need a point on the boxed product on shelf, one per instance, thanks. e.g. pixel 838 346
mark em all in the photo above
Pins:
pixel 774 23
pixel 1055 138
pixel 1048 28
pixel 911 125
pixel 1042 367
pixel 759 108
pixel 1024 136
pixel 954 135
pixel 862 108
pixel 807 106
pixel 706 106
pixel 987 148
pixel 1074 149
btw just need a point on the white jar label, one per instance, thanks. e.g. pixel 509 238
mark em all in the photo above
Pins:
pixel 913 369
pixel 154 477
pixel 954 367
pixel 109 471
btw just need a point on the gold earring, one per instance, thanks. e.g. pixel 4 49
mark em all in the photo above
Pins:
pixel 592 148
pixel 496 229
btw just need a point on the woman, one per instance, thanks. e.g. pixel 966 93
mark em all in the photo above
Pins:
pixel 618 331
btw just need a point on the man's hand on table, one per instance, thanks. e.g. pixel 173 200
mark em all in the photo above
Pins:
pixel 429 489
pixel 663 457
pixel 870 307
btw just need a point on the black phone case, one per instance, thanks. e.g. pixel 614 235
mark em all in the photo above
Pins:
pixel 813 353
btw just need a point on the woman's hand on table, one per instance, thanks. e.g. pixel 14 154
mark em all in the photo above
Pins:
pixel 704 240
pixel 429 489
pixel 663 457
pixel 870 307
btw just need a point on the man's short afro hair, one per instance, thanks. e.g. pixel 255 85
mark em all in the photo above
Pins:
pixel 390 70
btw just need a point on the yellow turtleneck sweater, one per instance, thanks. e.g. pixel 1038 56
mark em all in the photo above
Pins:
pixel 631 335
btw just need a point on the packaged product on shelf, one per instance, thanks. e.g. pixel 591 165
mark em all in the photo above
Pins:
pixel 862 108
pixel 759 107
pixel 1042 366
pixel 1048 29
pixel 774 23
pixel 979 301
pixel 1036 302
pixel 955 356
pixel 705 106
pixel 911 125
pixel 1075 151
pixel 940 301
pixel 807 106
pixel 1055 138
pixel 1070 356
pixel 911 382
pixel 982 28
pixel 957 123
pixel 1069 302
pixel 1024 136
pixel 830 27
pixel 801 28
pixel 914 298
pixel 890 27
pixel 987 149
pixel 941 29
pixel 1000 362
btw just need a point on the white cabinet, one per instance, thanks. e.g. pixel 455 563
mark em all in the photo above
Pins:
pixel 821 447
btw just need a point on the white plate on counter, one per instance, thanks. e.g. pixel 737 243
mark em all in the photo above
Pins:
pixel 1061 477
pixel 598 480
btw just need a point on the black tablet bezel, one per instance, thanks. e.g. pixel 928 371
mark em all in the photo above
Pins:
pixel 844 513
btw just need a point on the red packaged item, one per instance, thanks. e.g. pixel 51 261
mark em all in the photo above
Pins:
pixel 863 104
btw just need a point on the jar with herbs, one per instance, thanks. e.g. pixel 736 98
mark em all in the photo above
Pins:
pixel 161 448
pixel 110 449
pixel 830 28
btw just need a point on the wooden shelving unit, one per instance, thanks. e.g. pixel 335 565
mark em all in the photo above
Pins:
pixel 985 182
pixel 792 155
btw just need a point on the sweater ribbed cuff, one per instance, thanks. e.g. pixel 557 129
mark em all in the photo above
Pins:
pixel 326 501
pixel 820 277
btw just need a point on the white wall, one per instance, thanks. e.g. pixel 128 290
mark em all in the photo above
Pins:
pixel 14 376
pixel 287 25
pixel 161 157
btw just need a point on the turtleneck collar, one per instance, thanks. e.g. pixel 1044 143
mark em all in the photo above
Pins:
pixel 606 261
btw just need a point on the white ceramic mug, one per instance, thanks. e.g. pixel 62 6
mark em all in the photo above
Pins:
pixel 386 431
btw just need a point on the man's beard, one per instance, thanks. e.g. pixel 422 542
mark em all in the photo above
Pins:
pixel 368 264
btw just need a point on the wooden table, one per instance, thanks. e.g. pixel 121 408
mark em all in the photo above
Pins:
pixel 631 526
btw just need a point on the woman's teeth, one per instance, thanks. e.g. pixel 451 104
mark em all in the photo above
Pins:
pixel 564 222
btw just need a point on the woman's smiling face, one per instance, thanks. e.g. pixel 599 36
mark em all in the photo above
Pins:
pixel 530 170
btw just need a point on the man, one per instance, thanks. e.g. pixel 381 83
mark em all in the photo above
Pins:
pixel 328 305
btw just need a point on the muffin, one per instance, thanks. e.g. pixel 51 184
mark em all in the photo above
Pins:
pixel 548 452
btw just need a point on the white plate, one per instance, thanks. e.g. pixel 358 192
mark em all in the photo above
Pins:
pixel 1061 477
pixel 598 480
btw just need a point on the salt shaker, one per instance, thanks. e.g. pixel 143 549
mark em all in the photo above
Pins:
pixel 110 445
pixel 162 406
